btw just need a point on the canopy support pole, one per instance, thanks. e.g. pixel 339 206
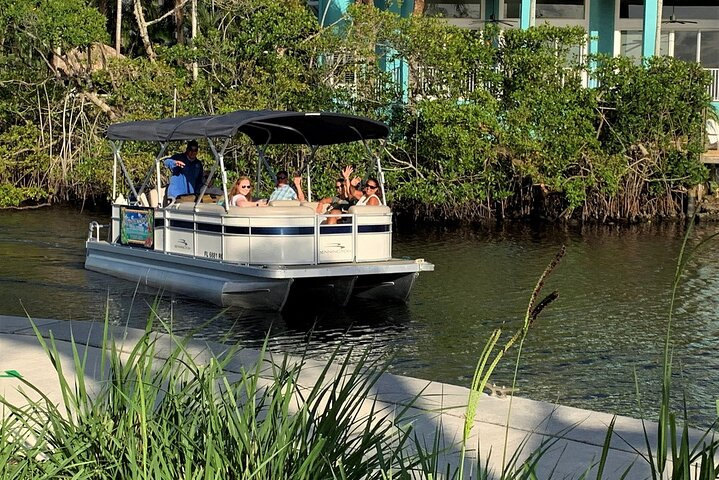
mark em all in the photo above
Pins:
pixel 378 163
pixel 306 166
pixel 115 155
pixel 118 158
pixel 220 160
pixel 158 173
pixel 261 159
pixel 146 180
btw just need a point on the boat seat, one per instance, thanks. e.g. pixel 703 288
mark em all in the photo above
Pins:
pixel 312 205
pixel 370 210
pixel 288 211
pixel 155 197
pixel 202 207
pixel 285 203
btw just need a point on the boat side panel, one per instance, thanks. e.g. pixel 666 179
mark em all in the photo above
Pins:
pixel 335 243
pixel 287 235
pixel 374 233
pixel 192 278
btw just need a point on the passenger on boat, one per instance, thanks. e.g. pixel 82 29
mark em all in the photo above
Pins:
pixel 284 191
pixel 365 196
pixel 187 172
pixel 336 205
pixel 241 194
pixel 370 193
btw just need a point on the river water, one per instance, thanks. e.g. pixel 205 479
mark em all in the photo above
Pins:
pixel 592 348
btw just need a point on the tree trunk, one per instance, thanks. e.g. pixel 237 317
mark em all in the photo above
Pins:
pixel 418 9
pixel 142 27
pixel 118 27
pixel 179 22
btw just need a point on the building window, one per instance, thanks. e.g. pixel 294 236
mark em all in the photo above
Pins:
pixel 709 49
pixel 685 46
pixel 665 44
pixel 683 10
pixel 512 8
pixel 680 9
pixel 631 45
pixel 469 9
pixel 631 9
pixel 560 9
pixel 568 9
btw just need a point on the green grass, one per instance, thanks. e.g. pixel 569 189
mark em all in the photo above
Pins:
pixel 175 414
pixel 182 418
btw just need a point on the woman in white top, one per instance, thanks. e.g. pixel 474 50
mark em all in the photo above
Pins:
pixel 368 194
pixel 241 194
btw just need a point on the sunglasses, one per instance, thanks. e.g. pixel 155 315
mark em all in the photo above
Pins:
pixel 370 186
pixel 193 150
pixel 245 186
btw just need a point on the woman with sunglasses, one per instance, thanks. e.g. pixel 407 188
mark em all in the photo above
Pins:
pixel 241 194
pixel 368 194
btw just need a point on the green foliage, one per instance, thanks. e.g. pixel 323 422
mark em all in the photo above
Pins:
pixel 493 123
pixel 22 165
pixel 12 196
pixel 50 24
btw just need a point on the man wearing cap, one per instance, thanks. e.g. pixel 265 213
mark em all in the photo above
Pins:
pixel 187 172
pixel 284 191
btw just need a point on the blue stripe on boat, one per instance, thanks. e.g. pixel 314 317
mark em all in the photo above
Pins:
pixel 237 230
pixel 209 227
pixel 334 229
pixel 182 224
pixel 372 228
pixel 283 230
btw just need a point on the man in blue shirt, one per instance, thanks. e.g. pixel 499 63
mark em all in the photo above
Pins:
pixel 187 172
pixel 284 191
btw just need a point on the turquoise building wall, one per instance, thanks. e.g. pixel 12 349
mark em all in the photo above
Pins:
pixel 330 11
pixel 601 26
pixel 649 28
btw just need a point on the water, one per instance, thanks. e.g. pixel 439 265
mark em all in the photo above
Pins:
pixel 606 328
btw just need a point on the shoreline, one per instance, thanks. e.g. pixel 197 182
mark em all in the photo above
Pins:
pixel 577 434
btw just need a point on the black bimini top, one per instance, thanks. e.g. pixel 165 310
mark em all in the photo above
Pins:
pixel 263 127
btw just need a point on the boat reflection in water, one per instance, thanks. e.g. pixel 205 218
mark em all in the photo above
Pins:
pixel 251 257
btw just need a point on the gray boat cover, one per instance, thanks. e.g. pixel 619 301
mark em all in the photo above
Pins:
pixel 263 127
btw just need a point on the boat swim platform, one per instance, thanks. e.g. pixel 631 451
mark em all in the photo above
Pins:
pixel 577 434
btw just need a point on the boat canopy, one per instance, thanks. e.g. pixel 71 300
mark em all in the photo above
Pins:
pixel 264 127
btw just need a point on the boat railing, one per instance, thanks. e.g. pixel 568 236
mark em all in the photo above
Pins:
pixel 93 234
pixel 275 235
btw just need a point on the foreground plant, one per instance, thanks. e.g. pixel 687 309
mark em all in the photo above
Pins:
pixel 676 456
pixel 182 418
pixel 488 361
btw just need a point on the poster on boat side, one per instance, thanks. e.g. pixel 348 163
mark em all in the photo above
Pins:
pixel 137 226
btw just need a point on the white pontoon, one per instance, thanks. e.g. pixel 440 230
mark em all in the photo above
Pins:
pixel 254 257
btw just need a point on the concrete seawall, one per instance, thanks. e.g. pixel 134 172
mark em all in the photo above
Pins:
pixel 576 435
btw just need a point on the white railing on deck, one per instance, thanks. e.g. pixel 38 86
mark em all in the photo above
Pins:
pixel 714 85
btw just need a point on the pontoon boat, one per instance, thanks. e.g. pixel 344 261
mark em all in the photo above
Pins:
pixel 253 257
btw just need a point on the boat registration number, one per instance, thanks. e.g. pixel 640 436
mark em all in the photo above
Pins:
pixel 213 255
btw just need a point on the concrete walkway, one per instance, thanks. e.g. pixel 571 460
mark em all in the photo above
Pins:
pixel 576 436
